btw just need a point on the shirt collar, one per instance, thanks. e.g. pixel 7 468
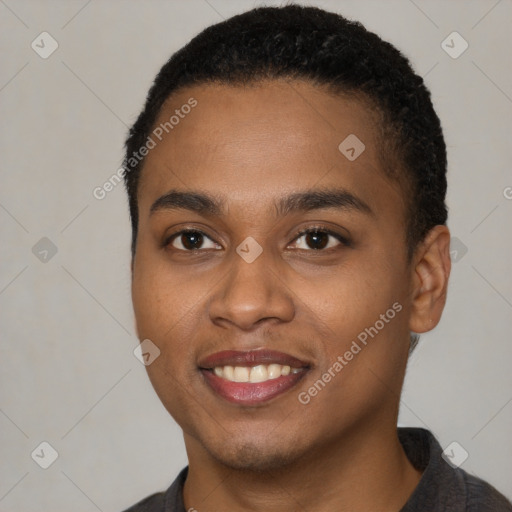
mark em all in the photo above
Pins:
pixel 440 483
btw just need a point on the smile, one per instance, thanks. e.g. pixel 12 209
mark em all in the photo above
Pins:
pixel 260 373
pixel 253 377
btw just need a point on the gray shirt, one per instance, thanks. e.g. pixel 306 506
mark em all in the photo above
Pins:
pixel 441 488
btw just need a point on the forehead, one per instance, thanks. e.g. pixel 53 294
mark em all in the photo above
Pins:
pixel 253 141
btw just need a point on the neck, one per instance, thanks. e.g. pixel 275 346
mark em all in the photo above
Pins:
pixel 365 471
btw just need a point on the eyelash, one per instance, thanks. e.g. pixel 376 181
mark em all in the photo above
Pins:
pixel 312 229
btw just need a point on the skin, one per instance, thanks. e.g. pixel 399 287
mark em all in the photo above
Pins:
pixel 251 146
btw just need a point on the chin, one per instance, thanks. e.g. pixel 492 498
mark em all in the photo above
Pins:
pixel 252 456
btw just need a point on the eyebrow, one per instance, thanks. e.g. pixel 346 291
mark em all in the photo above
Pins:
pixel 319 199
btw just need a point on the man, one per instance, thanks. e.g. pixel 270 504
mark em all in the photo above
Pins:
pixel 287 182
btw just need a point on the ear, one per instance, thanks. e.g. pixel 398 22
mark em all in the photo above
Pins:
pixel 132 265
pixel 431 271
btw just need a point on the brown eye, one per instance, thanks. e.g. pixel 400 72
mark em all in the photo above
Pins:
pixel 318 239
pixel 190 240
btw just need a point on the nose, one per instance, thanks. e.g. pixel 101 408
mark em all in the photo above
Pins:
pixel 250 293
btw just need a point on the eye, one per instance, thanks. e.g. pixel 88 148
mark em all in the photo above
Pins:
pixel 317 238
pixel 190 240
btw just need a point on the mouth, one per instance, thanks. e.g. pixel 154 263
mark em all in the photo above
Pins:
pixel 252 377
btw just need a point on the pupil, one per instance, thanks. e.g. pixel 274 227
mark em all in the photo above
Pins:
pixel 314 238
pixel 192 240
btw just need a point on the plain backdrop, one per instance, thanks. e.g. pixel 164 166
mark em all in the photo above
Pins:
pixel 68 373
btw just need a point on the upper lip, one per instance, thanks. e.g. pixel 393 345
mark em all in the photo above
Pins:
pixel 250 358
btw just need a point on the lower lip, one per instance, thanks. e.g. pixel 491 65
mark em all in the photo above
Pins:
pixel 249 393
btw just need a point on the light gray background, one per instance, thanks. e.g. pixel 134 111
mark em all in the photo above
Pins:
pixel 68 373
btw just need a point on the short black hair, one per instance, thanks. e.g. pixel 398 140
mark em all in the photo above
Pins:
pixel 308 43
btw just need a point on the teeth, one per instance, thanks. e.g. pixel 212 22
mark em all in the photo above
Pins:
pixel 227 372
pixel 259 373
pixel 241 374
pixel 274 371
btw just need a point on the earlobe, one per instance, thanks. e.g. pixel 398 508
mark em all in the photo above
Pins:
pixel 431 271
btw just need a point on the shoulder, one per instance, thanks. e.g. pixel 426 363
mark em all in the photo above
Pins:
pixel 153 503
pixel 170 500
pixel 444 486
pixel 483 497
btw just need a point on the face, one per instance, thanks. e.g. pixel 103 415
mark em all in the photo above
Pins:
pixel 291 273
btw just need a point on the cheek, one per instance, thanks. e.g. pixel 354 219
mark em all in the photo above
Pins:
pixel 169 307
pixel 165 308
pixel 365 304
pixel 162 296
pixel 351 297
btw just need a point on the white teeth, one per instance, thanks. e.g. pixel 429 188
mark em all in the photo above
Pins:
pixel 241 374
pixel 274 371
pixel 259 373
pixel 227 372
